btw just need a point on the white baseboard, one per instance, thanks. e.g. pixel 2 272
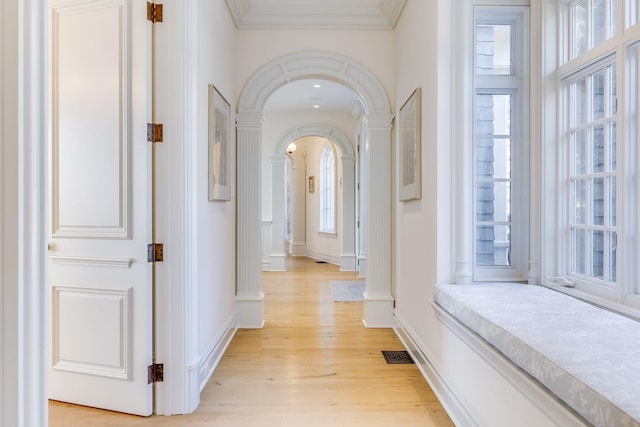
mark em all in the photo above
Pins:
pixel 211 359
pixel 322 257
pixel 298 249
pixel 447 397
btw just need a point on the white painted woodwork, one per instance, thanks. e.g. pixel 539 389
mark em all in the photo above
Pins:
pixel 249 295
pixel 378 302
pixel 298 205
pixel 266 245
pixel 23 227
pixel 377 126
pixel 278 254
pixel 100 279
pixel 89 153
pixel 327 14
pixel 463 164
pixel 348 235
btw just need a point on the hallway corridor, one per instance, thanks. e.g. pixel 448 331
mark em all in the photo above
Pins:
pixel 313 364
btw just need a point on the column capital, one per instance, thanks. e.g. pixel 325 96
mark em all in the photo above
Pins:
pixel 348 160
pixel 378 121
pixel 249 120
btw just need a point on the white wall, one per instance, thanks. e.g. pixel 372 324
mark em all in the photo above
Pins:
pixel 214 228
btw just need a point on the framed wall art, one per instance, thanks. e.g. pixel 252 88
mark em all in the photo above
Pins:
pixel 220 144
pixel 409 141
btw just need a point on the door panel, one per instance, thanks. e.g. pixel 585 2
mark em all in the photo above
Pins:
pixel 100 281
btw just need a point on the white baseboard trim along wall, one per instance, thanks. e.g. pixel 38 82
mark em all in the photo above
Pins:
pixel 531 401
pixel 210 360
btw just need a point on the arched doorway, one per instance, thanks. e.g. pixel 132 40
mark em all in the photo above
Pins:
pixel 348 161
pixel 376 123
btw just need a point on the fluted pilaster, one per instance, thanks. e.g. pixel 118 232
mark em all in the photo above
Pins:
pixel 348 251
pixel 378 311
pixel 278 210
pixel 249 295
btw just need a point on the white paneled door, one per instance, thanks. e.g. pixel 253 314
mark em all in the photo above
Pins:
pixel 100 280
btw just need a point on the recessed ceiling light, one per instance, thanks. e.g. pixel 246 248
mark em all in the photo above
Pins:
pixel 316 106
pixel 317 86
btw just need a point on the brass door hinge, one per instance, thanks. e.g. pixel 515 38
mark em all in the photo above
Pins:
pixel 155 252
pixel 154 132
pixel 154 12
pixel 155 373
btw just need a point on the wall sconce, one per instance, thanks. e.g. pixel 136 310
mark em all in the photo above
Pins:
pixel 291 148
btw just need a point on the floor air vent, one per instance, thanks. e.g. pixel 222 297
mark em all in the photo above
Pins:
pixel 397 357
pixel 321 262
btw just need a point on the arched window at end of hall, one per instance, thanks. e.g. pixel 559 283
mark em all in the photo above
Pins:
pixel 327 194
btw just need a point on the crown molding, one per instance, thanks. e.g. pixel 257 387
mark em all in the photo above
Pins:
pixel 316 14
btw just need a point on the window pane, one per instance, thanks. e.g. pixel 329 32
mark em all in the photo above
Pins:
pixel 597 83
pixel 493 49
pixel 580 102
pixel 599 16
pixel 613 90
pixel 580 152
pixel 493 114
pixel 598 149
pixel 612 147
pixel 493 201
pixel 493 158
pixel 493 245
pixel 597 258
pixel 613 256
pixel 579 29
pixel 612 201
pixel 613 18
pixel 598 201
pixel 580 201
pixel 578 246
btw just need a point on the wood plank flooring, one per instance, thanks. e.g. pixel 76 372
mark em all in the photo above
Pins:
pixel 313 364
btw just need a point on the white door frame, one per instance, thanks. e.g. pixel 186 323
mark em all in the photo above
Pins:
pixel 377 122
pixel 23 334
pixel 347 157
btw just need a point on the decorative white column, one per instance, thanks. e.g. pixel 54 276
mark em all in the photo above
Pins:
pixel 277 256
pixel 249 295
pixel 378 302
pixel 462 152
pixel 348 251
pixel 361 220
pixel 298 206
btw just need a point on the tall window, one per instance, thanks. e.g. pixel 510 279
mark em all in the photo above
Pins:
pixel 327 191
pixel 593 174
pixel 500 143
pixel 597 161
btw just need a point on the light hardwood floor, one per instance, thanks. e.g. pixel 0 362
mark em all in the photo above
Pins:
pixel 313 364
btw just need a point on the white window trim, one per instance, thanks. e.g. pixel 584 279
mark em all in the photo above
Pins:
pixel 518 16
pixel 322 229
pixel 555 266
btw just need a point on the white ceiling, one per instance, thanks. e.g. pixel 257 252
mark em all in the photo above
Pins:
pixel 316 14
pixel 301 96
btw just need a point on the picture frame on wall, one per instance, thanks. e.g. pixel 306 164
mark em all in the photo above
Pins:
pixel 409 144
pixel 219 146
pixel 312 184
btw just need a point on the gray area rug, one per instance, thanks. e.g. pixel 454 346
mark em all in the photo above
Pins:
pixel 347 290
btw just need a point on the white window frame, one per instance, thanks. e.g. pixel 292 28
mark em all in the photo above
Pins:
pixel 624 297
pixel 517 85
pixel 328 192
